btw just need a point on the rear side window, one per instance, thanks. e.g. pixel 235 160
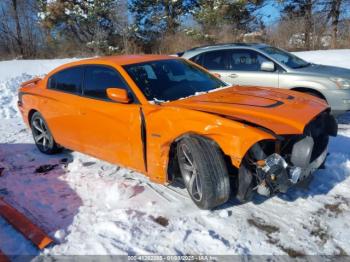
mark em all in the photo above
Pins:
pixel 68 80
pixel 99 78
pixel 215 60
pixel 198 59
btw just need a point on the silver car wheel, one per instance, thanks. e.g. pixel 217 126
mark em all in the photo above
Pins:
pixel 190 173
pixel 41 134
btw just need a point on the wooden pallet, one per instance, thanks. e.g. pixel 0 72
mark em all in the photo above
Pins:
pixel 3 257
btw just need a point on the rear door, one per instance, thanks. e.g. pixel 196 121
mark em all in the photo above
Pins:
pixel 61 107
pixel 110 130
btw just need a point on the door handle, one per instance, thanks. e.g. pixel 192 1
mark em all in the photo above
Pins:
pixel 232 75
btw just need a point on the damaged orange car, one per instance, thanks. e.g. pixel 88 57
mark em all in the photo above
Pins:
pixel 174 121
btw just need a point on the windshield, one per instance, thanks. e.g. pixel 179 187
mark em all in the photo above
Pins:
pixel 285 58
pixel 168 80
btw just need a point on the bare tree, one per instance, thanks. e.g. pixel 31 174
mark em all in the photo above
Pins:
pixel 20 35
pixel 308 23
pixel 300 9
pixel 334 15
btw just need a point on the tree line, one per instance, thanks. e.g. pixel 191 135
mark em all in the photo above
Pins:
pixel 65 28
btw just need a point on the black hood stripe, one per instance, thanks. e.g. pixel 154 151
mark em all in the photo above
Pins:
pixel 276 104
pixel 266 130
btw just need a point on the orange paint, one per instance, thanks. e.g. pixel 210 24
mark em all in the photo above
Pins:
pixel 24 225
pixel 118 95
pixel 3 257
pixel 112 131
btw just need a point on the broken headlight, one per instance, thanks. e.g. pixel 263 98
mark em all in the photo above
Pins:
pixel 274 174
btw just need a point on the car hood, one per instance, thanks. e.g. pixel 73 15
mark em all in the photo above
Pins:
pixel 323 70
pixel 281 111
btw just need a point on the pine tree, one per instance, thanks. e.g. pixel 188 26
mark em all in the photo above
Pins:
pixel 89 22
pixel 153 18
pixel 238 15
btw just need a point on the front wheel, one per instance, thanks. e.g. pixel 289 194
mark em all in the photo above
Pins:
pixel 42 135
pixel 204 171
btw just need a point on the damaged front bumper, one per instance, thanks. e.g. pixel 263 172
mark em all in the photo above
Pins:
pixel 277 176
pixel 274 166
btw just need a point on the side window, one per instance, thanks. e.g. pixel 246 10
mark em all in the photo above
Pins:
pixel 146 76
pixel 215 60
pixel 246 60
pixel 198 59
pixel 67 80
pixel 99 78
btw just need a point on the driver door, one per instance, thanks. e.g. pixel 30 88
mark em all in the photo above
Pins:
pixel 245 69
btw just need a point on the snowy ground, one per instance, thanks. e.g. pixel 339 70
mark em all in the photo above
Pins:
pixel 92 207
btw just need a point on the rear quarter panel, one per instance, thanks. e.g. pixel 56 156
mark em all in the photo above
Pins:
pixel 32 96
pixel 57 108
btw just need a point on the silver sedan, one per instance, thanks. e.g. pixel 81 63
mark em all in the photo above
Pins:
pixel 264 65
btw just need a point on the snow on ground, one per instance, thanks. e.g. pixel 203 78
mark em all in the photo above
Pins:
pixel 329 57
pixel 13 73
pixel 92 207
pixel 14 68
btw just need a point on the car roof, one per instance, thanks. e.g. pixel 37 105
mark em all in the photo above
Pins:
pixel 114 60
pixel 127 59
pixel 200 49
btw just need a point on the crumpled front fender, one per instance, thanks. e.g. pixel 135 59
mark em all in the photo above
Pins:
pixel 165 125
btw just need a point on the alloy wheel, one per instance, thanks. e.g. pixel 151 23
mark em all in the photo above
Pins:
pixel 190 173
pixel 41 134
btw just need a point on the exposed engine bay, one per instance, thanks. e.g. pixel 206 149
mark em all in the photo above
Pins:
pixel 273 166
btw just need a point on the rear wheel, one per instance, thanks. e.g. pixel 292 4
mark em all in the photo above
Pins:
pixel 42 135
pixel 204 172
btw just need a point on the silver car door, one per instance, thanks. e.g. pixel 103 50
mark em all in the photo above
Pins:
pixel 245 69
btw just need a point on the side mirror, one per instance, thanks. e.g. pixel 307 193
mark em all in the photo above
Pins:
pixel 267 66
pixel 118 95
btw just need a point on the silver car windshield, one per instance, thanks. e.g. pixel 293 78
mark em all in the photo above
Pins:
pixel 284 57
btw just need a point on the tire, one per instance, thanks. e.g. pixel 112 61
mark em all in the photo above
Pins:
pixel 42 135
pixel 244 185
pixel 204 171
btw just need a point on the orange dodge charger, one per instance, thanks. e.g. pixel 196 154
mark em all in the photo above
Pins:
pixel 175 122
